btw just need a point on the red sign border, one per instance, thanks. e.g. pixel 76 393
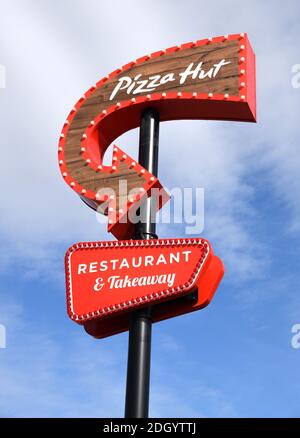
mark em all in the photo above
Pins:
pixel 146 299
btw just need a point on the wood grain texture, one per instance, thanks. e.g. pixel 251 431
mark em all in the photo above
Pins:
pixel 225 82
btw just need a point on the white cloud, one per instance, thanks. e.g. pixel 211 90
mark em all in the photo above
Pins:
pixel 54 61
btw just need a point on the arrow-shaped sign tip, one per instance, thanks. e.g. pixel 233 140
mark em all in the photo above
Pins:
pixel 123 207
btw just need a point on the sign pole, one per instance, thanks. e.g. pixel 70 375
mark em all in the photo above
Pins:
pixel 139 344
pixel 169 84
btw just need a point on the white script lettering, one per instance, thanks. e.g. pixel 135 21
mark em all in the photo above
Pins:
pixel 138 85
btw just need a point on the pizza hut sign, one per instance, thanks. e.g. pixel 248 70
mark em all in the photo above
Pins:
pixel 210 79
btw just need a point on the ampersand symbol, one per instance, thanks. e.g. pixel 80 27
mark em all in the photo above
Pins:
pixel 98 284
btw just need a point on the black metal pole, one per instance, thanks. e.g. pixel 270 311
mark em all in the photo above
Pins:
pixel 139 344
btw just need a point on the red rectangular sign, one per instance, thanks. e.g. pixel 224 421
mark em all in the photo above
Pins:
pixel 106 279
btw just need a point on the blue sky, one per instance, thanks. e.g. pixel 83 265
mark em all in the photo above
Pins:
pixel 235 357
